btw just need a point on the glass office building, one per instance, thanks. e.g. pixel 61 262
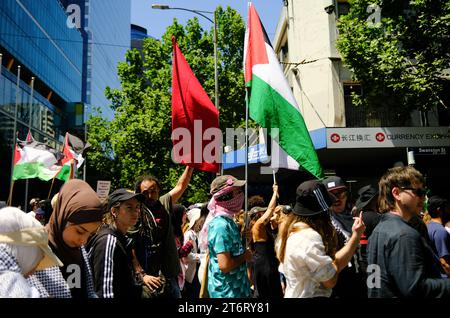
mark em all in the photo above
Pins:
pixel 34 34
pixel 106 33
pixel 138 35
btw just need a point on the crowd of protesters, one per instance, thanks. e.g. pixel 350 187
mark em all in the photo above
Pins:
pixel 393 242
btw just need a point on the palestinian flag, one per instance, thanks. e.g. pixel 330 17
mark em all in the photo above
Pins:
pixel 72 157
pixel 33 159
pixel 272 104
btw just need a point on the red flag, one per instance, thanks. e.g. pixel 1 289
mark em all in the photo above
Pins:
pixel 17 155
pixel 29 136
pixel 66 151
pixel 195 120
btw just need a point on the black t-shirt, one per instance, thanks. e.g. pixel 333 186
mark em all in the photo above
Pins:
pixel 154 240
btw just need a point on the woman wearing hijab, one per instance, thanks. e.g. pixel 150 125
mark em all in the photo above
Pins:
pixel 23 250
pixel 227 270
pixel 77 215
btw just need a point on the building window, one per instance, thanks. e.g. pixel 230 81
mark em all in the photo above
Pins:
pixel 361 116
pixel 284 53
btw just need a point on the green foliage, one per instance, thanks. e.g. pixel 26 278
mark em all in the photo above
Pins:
pixel 138 139
pixel 400 60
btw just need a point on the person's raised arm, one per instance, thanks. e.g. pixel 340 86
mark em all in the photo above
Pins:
pixel 345 254
pixel 182 185
pixel 272 205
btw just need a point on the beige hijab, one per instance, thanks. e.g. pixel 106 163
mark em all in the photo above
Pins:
pixel 77 203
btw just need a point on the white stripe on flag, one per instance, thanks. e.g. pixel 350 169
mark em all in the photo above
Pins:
pixel 273 75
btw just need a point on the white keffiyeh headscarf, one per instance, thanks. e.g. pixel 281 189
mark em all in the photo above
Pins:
pixel 14 220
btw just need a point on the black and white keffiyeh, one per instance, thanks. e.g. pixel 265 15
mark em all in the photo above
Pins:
pixel 12 283
pixel 7 261
pixel 50 283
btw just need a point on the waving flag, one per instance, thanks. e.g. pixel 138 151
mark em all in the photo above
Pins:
pixel 33 159
pixel 272 104
pixel 192 112
pixel 72 157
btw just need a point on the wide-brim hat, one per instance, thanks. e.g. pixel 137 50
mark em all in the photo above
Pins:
pixel 37 237
pixel 366 194
pixel 193 215
pixel 312 198
pixel 49 260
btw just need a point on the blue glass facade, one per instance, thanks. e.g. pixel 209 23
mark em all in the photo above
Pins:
pixel 36 34
pixel 138 32
pixel 109 28
pixel 106 33
pixel 138 35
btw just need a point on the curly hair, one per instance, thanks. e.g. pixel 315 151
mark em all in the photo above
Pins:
pixel 147 177
pixel 255 200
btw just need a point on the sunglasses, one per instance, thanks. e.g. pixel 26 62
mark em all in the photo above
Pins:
pixel 420 192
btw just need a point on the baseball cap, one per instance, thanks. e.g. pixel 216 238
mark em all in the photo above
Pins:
pixel 224 181
pixel 334 183
pixel 122 194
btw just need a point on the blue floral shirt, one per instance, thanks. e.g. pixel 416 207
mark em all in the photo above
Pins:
pixel 224 236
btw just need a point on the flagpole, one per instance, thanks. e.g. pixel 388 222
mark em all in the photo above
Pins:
pixel 15 126
pixel 29 130
pixel 246 165
pixel 10 194
pixel 85 140
pixel 51 187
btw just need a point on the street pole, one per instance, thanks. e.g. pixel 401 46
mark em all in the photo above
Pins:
pixel 216 71
pixel 85 140
pixel 214 22
pixel 29 130
pixel 216 82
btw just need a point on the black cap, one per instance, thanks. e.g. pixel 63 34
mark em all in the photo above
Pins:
pixel 366 194
pixel 334 183
pixel 121 195
pixel 312 198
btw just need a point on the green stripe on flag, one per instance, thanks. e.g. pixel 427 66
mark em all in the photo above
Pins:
pixel 270 110
pixel 65 173
pixel 32 170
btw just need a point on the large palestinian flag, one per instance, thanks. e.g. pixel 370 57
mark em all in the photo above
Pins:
pixel 272 104
pixel 33 159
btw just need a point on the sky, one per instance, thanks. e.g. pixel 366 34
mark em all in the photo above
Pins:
pixel 156 21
